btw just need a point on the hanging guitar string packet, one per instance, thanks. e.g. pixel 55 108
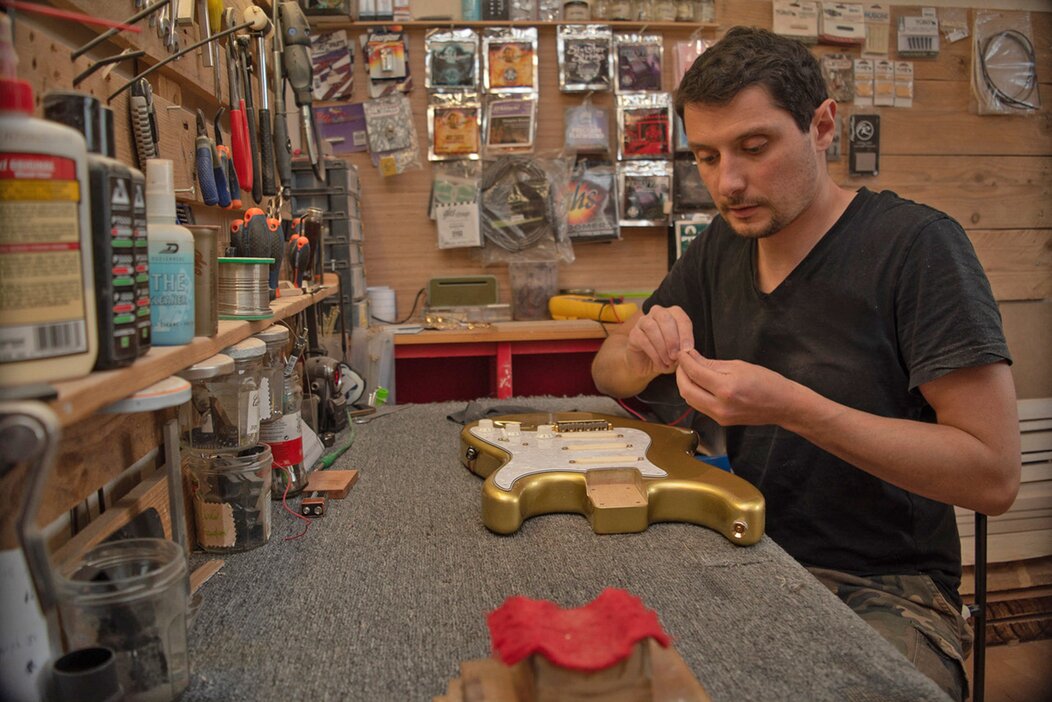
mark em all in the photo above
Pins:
pixel 453 126
pixel 452 59
pixel 687 228
pixel 591 209
pixel 392 137
pixel 510 56
pixel 644 125
pixel 587 128
pixel 510 122
pixel 686 53
pixel 585 57
pixel 637 59
pixel 689 191
pixel 332 62
pixel 387 61
pixel 645 191
pixel 454 182
pixel 838 70
pixel 522 209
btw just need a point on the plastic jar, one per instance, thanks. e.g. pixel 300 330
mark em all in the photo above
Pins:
pixel 223 411
pixel 276 339
pixel 285 438
pixel 131 596
pixel 248 367
pixel 231 498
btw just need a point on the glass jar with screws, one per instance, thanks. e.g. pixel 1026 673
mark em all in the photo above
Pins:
pixel 248 368
pixel 222 410
pixel 276 339
pixel 231 498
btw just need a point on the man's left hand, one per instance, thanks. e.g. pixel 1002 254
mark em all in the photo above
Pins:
pixel 733 392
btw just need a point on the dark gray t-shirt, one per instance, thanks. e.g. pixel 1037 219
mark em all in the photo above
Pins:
pixel 892 297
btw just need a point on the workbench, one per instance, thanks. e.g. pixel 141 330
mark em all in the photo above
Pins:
pixel 386 594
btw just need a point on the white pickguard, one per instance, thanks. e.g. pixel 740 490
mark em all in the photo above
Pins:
pixel 546 451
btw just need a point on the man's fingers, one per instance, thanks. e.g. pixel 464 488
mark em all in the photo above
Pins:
pixel 684 327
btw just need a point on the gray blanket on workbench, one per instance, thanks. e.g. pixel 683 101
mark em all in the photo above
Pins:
pixel 384 596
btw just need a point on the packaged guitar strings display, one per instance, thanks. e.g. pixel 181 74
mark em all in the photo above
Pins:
pixel 637 62
pixel 587 128
pixel 392 137
pixel 585 57
pixel 510 57
pixel 645 190
pixel 522 209
pixel 387 61
pixel 451 60
pixel 644 125
pixel 453 126
pixel 685 54
pixel 838 70
pixel 454 204
pixel 332 60
pixel 689 191
pixel 510 123
pixel 591 201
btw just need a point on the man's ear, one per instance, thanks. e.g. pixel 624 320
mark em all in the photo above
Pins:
pixel 823 124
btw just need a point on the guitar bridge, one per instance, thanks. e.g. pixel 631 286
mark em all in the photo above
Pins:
pixel 572 425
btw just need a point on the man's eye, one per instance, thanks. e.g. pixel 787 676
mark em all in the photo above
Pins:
pixel 705 159
pixel 754 149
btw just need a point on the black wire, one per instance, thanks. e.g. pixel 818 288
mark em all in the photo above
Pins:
pixel 527 180
pixel 416 301
pixel 1031 78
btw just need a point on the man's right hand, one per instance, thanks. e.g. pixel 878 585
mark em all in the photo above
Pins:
pixel 656 340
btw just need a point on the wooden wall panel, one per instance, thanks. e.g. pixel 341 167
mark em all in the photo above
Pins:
pixel 992 173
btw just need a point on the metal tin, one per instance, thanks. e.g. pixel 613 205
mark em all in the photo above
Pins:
pixel 243 288
pixel 206 279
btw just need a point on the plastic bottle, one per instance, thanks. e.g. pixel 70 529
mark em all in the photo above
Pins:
pixel 111 226
pixel 47 291
pixel 171 260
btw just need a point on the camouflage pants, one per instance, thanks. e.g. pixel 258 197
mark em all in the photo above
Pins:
pixel 912 614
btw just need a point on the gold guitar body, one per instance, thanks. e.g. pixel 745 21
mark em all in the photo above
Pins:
pixel 621 473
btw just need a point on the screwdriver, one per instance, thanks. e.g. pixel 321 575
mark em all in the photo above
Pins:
pixel 237 238
pixel 245 57
pixel 266 137
pixel 205 174
pixel 227 163
pixel 238 128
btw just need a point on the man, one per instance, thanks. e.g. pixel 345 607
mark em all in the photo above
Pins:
pixel 847 341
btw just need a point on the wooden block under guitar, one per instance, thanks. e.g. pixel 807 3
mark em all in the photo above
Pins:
pixel 621 473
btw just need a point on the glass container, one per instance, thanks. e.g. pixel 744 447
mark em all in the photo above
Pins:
pixel 131 596
pixel 285 438
pixel 223 411
pixel 231 498
pixel 276 339
pixel 248 367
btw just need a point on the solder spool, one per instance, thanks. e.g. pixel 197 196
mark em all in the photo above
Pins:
pixel 243 288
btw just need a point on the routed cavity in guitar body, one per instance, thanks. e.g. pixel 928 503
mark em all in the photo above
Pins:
pixel 621 473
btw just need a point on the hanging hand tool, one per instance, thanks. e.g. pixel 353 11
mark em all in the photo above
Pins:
pixel 238 129
pixel 143 121
pixel 299 258
pixel 227 162
pixel 219 168
pixel 205 174
pixel 245 57
pixel 300 74
pixel 237 237
pixel 266 137
pixel 282 143
pixel 255 18
pixel 148 11
pixel 262 239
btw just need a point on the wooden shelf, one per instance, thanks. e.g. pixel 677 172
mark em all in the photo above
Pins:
pixel 508 331
pixel 333 22
pixel 80 398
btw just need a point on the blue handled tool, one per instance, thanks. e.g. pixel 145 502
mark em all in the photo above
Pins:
pixel 206 178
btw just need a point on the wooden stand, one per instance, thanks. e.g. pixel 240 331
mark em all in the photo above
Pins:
pixel 650 674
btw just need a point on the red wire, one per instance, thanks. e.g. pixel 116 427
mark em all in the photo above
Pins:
pixel 68 15
pixel 631 411
pixel 285 504
pixel 673 423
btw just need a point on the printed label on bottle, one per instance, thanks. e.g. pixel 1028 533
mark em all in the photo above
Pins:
pixel 285 438
pixel 252 421
pixel 42 302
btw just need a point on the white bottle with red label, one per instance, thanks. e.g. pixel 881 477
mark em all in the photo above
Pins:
pixel 47 292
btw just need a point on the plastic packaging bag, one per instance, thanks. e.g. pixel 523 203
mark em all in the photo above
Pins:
pixel 1004 66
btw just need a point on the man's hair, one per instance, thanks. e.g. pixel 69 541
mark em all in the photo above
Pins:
pixel 748 56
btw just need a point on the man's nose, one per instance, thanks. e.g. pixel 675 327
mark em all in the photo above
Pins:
pixel 731 177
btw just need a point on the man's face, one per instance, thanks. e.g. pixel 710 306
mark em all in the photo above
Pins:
pixel 761 170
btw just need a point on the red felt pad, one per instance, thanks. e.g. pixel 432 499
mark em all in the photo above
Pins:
pixel 589 638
